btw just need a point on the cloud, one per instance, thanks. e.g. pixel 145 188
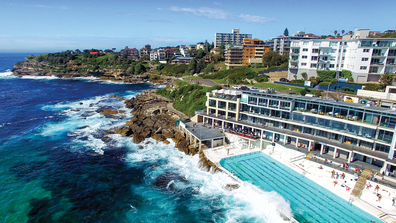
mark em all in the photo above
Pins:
pixel 43 6
pixel 256 19
pixel 203 11
pixel 216 3
pixel 160 9
pixel 158 21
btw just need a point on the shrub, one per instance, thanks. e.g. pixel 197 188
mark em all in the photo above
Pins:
pixel 303 92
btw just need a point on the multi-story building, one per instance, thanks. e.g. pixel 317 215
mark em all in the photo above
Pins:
pixel 253 51
pixel 143 52
pixel 234 38
pixel 184 51
pixel 148 48
pixel 281 44
pixel 157 54
pixel 367 58
pixel 134 53
pixel 233 56
pixel 346 132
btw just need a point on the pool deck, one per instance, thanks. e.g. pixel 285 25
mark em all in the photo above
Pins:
pixel 367 202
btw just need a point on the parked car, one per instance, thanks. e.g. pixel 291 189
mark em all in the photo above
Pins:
pixel 253 88
pixel 236 87
pixel 244 88
pixel 226 86
pixel 283 80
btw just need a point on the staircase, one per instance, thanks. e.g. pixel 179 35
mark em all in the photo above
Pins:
pixel 361 183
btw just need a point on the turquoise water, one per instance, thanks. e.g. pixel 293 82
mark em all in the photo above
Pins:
pixel 309 201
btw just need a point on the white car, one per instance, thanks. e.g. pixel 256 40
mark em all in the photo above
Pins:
pixel 236 87
pixel 253 88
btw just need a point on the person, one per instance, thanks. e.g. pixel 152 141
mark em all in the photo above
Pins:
pixel 368 185
pixel 335 183
pixel 379 197
pixel 393 201
pixel 376 188
pixel 320 167
pixel 337 175
pixel 342 175
pixel 228 152
pixel 325 161
pixel 346 166
pixel 332 174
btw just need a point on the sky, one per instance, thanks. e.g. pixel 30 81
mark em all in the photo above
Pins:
pixel 52 25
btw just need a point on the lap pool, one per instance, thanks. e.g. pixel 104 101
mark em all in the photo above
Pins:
pixel 308 201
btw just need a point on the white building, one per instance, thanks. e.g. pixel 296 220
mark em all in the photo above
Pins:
pixel 234 38
pixel 281 44
pixel 366 58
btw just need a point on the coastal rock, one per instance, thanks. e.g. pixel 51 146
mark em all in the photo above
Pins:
pixel 158 137
pixel 141 147
pixel 182 145
pixel 168 133
pixel 117 97
pixel 108 111
pixel 231 187
pixel 178 136
pixel 166 141
pixel 124 131
pixel 137 138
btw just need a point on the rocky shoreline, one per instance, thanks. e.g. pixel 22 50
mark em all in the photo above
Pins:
pixel 31 67
pixel 152 118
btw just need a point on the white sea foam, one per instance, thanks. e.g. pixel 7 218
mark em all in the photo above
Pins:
pixel 83 122
pixel 7 74
pixel 40 77
pixel 243 203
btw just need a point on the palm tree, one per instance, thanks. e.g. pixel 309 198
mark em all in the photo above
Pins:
pixel 342 31
pixel 335 33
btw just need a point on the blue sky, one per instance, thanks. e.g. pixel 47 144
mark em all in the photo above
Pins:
pixel 51 25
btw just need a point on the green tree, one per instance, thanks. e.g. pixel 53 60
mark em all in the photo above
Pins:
pixel 286 32
pixel 192 67
pixel 222 49
pixel 387 79
pixel 201 65
pixel 139 69
pixel 273 58
pixel 201 54
pixel 335 32
pixel 303 92
pixel 304 75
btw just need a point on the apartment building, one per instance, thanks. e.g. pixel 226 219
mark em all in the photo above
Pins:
pixel 233 56
pixel 366 58
pixel 234 38
pixel 253 51
pixel 343 131
pixel 281 44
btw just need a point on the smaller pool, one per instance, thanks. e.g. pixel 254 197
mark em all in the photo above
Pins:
pixel 309 201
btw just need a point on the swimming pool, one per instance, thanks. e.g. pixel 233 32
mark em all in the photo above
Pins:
pixel 309 201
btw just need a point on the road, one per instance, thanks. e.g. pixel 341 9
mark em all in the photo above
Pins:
pixel 204 82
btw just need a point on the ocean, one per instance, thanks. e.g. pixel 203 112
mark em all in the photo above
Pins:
pixel 57 167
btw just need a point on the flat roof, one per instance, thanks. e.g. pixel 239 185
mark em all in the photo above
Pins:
pixel 318 100
pixel 204 133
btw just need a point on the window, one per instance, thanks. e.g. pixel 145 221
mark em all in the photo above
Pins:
pixel 331 65
pixel 366 50
pixel 314 58
pixel 315 50
pixel 304 57
pixel 313 65
pixel 305 43
pixel 344 50
pixel 363 67
pixel 303 64
pixel 364 59
pixel 343 58
pixel 305 49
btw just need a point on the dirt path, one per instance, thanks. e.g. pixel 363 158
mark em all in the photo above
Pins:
pixel 169 105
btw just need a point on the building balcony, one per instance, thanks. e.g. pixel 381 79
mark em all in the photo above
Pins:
pixel 294 61
pixel 314 138
pixel 377 64
pixel 293 67
pixel 378 55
